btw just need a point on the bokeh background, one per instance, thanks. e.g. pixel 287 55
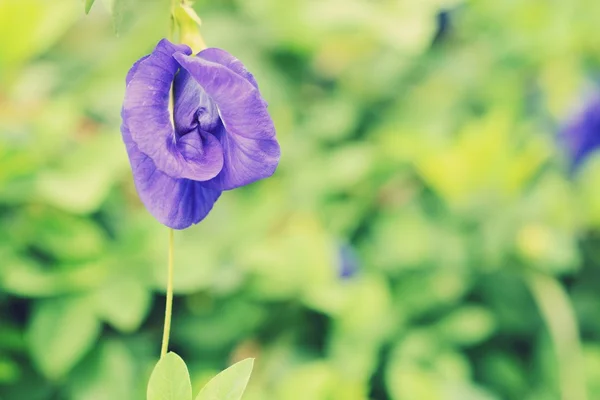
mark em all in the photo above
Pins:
pixel 430 232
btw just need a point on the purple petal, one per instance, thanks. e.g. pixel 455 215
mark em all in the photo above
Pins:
pixel 246 160
pixel 348 261
pixel 222 57
pixel 248 139
pixel 192 108
pixel 176 203
pixel 581 134
pixel 133 69
pixel 188 154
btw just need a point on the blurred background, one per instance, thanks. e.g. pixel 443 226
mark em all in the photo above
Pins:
pixel 432 232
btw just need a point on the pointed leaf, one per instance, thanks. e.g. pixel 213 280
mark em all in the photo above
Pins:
pixel 229 384
pixel 170 380
pixel 121 12
pixel 88 5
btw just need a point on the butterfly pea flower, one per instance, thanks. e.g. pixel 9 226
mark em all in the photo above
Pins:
pixel 193 127
pixel 348 261
pixel 581 133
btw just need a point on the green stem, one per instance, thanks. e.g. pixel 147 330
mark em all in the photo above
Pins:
pixel 169 300
pixel 169 303
pixel 558 315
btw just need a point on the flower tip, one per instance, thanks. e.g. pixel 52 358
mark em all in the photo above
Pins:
pixel 170 47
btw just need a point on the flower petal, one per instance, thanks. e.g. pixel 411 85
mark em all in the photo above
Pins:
pixel 192 106
pixel 222 57
pixel 248 139
pixel 246 160
pixel 581 134
pixel 133 69
pixel 176 203
pixel 147 116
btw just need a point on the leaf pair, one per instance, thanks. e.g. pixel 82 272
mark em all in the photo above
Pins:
pixel 170 380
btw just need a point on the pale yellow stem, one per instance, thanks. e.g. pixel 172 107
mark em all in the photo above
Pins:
pixel 169 302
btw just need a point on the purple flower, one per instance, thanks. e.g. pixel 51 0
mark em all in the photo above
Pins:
pixel 218 136
pixel 581 134
pixel 348 261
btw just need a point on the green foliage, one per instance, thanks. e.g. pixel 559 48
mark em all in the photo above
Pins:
pixel 106 374
pixel 433 156
pixel 61 331
pixel 170 380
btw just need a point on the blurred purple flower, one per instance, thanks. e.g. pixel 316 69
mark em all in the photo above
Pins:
pixel 348 261
pixel 581 134
pixel 218 136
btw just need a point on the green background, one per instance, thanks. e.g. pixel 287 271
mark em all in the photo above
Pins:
pixel 435 162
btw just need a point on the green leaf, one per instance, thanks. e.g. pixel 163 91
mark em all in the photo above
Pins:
pixel 468 325
pixel 229 384
pixel 123 303
pixel 88 5
pixel 116 9
pixel 170 380
pixel 60 333
pixel 108 373
pixel 23 277
pixel 119 11
pixel 66 237
pixel 9 370
pixel 82 179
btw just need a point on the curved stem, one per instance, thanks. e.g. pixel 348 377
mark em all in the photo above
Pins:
pixel 559 317
pixel 169 302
